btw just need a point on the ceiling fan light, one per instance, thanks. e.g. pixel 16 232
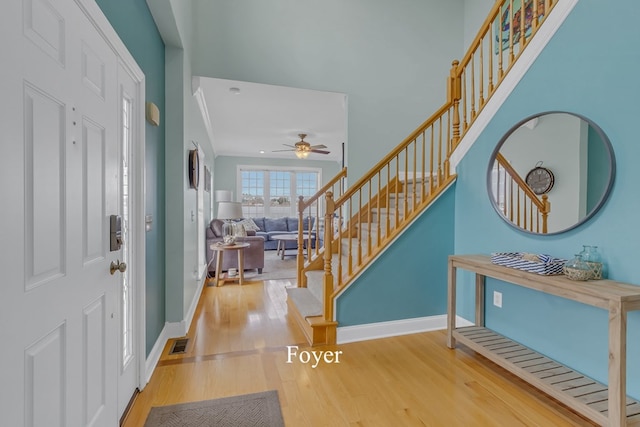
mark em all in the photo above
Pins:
pixel 301 154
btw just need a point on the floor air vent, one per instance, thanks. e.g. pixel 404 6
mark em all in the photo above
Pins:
pixel 179 346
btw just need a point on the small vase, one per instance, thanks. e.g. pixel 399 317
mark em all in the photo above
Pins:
pixel 228 235
pixel 577 269
pixel 591 256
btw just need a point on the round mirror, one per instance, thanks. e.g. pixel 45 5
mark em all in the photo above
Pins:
pixel 551 172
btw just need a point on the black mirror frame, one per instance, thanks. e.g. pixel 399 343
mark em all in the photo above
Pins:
pixel 601 201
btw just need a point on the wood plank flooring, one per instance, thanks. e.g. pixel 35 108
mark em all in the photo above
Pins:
pixel 238 344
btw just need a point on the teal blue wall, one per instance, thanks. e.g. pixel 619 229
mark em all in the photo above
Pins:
pixel 591 73
pixel 390 58
pixel 409 280
pixel 133 22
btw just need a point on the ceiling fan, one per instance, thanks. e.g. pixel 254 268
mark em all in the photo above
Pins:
pixel 302 148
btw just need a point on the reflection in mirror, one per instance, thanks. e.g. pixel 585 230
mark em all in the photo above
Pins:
pixel 580 160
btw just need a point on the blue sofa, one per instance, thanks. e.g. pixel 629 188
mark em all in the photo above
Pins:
pixel 286 225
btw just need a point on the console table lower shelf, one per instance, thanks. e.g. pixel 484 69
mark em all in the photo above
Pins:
pixel 575 390
pixel 607 406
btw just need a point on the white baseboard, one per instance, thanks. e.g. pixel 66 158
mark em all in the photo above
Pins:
pixel 188 318
pixel 393 328
pixel 172 330
pixel 168 332
pixel 461 322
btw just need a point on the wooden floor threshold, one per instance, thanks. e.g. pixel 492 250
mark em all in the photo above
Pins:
pixel 581 393
pixel 316 330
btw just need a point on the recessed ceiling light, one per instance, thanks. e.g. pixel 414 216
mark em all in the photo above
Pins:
pixel 234 90
pixel 261 151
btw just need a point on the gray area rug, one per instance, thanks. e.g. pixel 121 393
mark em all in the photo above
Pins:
pixel 248 410
pixel 274 268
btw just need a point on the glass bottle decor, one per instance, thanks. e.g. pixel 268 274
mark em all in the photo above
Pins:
pixel 577 269
pixel 591 256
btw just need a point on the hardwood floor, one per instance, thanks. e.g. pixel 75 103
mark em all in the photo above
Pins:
pixel 238 345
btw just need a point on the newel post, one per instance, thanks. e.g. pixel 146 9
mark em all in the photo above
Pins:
pixel 454 95
pixel 327 281
pixel 545 213
pixel 300 256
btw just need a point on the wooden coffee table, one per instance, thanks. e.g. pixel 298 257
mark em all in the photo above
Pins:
pixel 284 238
pixel 220 249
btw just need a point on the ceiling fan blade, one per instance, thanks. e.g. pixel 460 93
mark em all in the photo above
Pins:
pixel 288 145
pixel 277 151
pixel 314 147
pixel 320 151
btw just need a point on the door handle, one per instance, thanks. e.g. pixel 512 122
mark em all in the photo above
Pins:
pixel 117 266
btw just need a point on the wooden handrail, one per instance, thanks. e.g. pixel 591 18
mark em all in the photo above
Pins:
pixel 392 154
pixel 303 204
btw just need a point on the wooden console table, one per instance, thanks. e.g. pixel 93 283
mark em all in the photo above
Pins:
pixel 606 406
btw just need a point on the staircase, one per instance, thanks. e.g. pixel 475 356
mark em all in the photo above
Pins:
pixel 360 222
pixel 517 201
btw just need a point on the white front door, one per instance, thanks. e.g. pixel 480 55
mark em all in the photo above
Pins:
pixel 60 172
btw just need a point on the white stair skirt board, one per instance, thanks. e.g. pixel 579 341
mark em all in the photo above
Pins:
pixel 391 243
pixel 372 331
pixel 533 49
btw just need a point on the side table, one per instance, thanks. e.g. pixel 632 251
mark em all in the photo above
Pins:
pixel 220 249
pixel 284 238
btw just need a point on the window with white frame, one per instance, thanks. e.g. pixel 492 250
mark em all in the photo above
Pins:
pixel 273 192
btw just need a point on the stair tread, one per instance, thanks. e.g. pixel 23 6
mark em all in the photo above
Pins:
pixel 304 300
pixel 410 195
pixel 419 177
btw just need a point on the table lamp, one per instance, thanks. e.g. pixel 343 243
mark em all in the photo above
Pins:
pixel 228 211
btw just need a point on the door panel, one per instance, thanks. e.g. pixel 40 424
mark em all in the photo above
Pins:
pixel 46 385
pixel 45 198
pixel 94 356
pixel 45 27
pixel 60 172
pixel 93 186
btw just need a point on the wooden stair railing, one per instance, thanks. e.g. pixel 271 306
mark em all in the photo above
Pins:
pixel 496 47
pixel 372 212
pixel 517 201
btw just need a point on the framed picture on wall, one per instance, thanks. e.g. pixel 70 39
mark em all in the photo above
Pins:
pixel 194 169
pixel 513 21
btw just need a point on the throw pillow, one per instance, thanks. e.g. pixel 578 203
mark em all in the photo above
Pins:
pixel 216 227
pixel 240 231
pixel 249 224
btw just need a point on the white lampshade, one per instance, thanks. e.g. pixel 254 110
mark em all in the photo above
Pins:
pixel 229 210
pixel 224 196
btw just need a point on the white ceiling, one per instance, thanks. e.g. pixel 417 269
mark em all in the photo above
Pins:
pixel 263 117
